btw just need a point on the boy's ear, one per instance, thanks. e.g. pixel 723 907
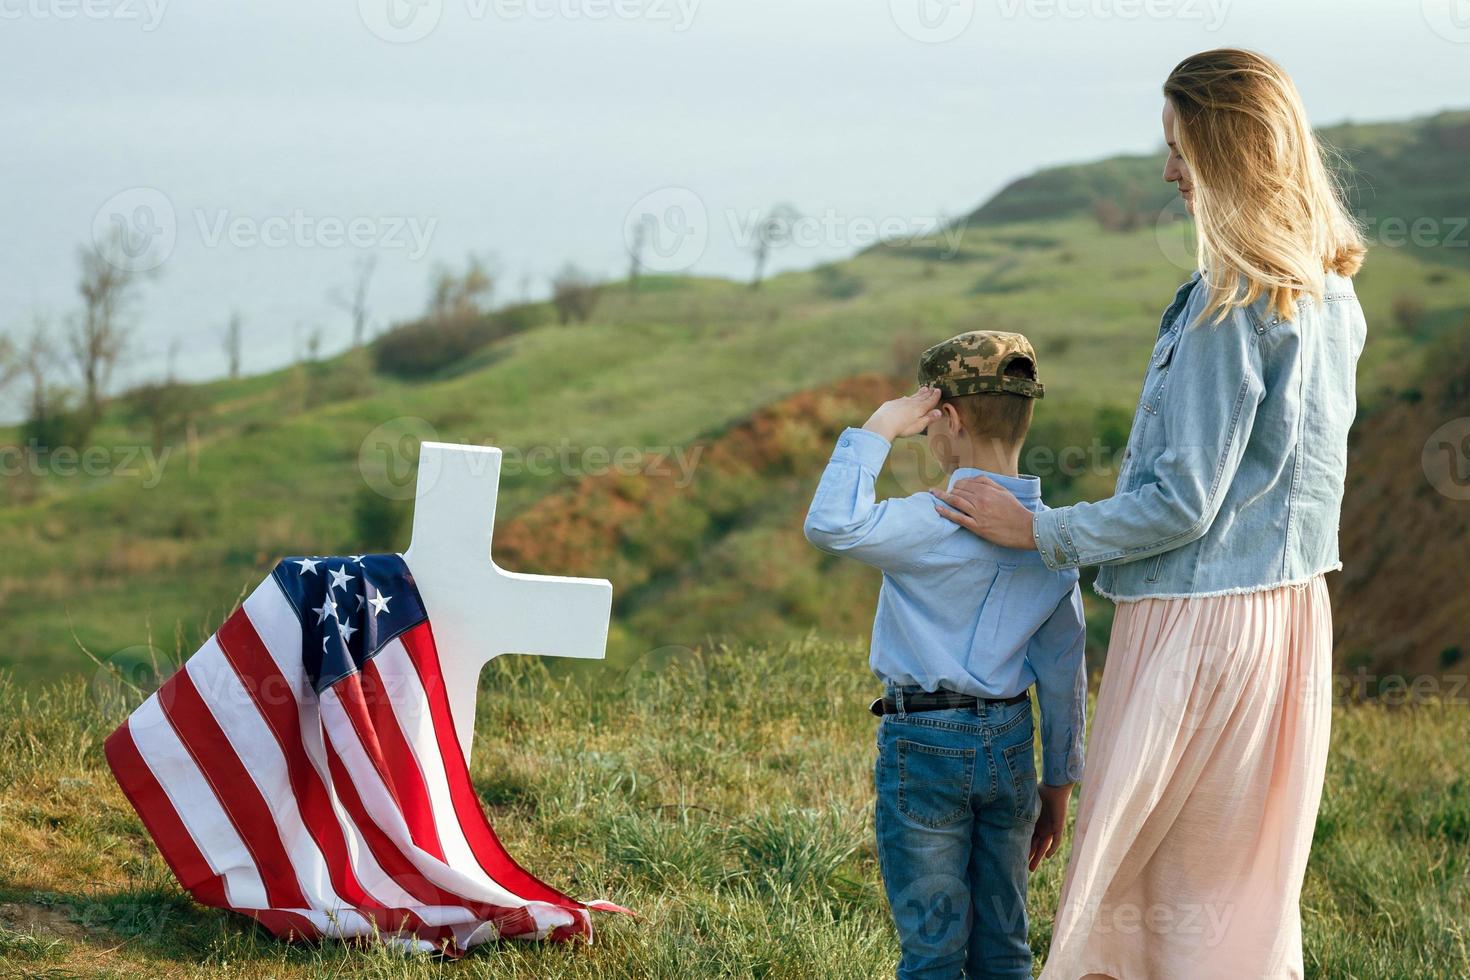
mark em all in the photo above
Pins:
pixel 952 417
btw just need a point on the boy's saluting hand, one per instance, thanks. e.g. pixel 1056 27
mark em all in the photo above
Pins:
pixel 906 416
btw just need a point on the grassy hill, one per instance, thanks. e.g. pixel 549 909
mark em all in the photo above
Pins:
pixel 1395 174
pixel 124 561
pixel 732 813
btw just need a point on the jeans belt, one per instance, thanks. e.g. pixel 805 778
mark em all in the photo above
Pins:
pixel 939 701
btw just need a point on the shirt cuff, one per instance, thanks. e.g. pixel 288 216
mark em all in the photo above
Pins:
pixel 1053 543
pixel 1062 775
pixel 1062 764
pixel 866 449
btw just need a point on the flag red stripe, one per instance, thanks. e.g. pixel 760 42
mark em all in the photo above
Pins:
pixel 237 793
pixel 408 786
pixel 162 821
pixel 285 924
pixel 392 859
pixel 510 921
pixel 497 862
pixel 276 703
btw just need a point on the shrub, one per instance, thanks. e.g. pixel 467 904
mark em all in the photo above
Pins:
pixel 57 422
pixel 574 294
pixel 433 344
pixel 168 407
pixel 378 522
pixel 834 283
pixel 1408 313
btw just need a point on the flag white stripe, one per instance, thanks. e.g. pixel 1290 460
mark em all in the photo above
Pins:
pixel 274 620
pixel 384 812
pixel 235 712
pixel 411 708
pixel 198 809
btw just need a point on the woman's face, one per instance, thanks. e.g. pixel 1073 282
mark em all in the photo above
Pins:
pixel 1176 171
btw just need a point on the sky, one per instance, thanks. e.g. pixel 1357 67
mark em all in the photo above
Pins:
pixel 255 153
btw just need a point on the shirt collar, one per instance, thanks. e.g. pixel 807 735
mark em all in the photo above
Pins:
pixel 1023 487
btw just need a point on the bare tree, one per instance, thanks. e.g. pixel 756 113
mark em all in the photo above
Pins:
pixel 35 361
pixel 635 254
pixel 457 297
pixel 99 335
pixel 354 301
pixel 233 339
pixel 9 362
pixel 773 230
pixel 306 342
pixel 168 406
pixel 574 294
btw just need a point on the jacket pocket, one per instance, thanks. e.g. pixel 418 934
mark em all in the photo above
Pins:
pixel 934 782
pixel 1158 372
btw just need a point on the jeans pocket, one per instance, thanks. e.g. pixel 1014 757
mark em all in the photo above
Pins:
pixel 934 782
pixel 1021 762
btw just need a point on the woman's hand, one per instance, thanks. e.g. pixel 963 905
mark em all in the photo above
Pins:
pixel 989 510
pixel 906 416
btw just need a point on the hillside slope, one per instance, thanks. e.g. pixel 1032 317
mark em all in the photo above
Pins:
pixel 128 566
pixel 1404 180
pixel 1400 603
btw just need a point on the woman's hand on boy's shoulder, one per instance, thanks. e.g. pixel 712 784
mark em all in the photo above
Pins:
pixel 983 506
pixel 906 416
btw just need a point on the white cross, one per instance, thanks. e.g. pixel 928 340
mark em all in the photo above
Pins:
pixel 479 610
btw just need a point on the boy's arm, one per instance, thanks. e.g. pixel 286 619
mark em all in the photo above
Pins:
pixel 846 518
pixel 1057 657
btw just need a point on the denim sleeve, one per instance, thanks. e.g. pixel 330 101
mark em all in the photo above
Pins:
pixel 845 517
pixel 1215 385
pixel 1057 656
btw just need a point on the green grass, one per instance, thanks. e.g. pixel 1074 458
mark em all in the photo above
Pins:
pixel 726 796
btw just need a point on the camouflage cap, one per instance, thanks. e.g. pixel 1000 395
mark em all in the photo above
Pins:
pixel 976 362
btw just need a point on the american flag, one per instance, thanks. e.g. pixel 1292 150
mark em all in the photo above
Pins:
pixel 302 768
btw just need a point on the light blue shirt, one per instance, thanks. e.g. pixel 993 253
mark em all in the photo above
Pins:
pixel 956 611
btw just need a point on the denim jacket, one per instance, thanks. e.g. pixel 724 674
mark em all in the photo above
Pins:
pixel 1233 475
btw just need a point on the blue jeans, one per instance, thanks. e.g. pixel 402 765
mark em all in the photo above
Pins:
pixel 957 801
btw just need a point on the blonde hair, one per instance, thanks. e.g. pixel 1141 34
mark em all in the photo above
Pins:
pixel 1266 208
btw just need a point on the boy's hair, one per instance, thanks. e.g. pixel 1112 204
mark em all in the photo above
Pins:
pixel 998 415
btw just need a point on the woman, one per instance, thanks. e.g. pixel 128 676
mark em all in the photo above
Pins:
pixel 1210 738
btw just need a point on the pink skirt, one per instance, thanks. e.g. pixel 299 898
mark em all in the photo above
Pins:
pixel 1203 779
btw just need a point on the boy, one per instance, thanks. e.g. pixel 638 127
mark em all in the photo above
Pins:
pixel 963 629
